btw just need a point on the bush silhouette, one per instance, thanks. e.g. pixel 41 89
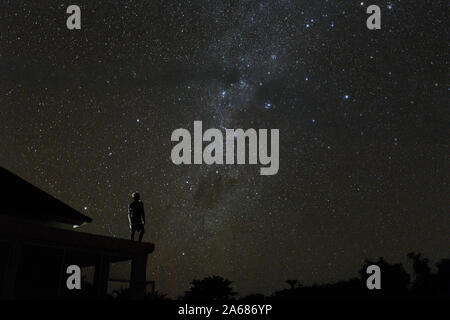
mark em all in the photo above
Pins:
pixel 394 279
pixel 396 283
pixel 210 288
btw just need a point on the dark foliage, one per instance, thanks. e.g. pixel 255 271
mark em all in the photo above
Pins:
pixel 210 288
pixel 396 283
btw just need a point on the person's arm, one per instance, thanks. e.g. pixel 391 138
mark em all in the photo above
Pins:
pixel 130 212
pixel 129 216
pixel 143 214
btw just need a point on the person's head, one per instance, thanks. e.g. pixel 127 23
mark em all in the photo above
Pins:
pixel 136 196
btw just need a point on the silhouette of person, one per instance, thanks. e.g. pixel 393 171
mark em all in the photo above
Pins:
pixel 136 216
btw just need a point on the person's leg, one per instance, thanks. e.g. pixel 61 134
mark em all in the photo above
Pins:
pixel 132 235
pixel 141 234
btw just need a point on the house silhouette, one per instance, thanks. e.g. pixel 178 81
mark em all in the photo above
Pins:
pixel 38 243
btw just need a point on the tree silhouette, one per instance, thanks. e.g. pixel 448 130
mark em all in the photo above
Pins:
pixel 394 278
pixel 125 294
pixel 423 281
pixel 253 297
pixel 210 288
pixel 395 283
pixel 293 283
pixel 443 278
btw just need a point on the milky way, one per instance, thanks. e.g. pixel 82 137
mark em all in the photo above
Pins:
pixel 87 116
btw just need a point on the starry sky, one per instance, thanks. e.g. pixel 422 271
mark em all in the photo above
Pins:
pixel 87 116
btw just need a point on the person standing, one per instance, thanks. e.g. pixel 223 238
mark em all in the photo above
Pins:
pixel 136 216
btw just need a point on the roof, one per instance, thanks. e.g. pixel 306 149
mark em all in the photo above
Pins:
pixel 21 199
pixel 116 249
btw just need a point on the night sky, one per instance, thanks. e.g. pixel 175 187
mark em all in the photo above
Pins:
pixel 87 116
